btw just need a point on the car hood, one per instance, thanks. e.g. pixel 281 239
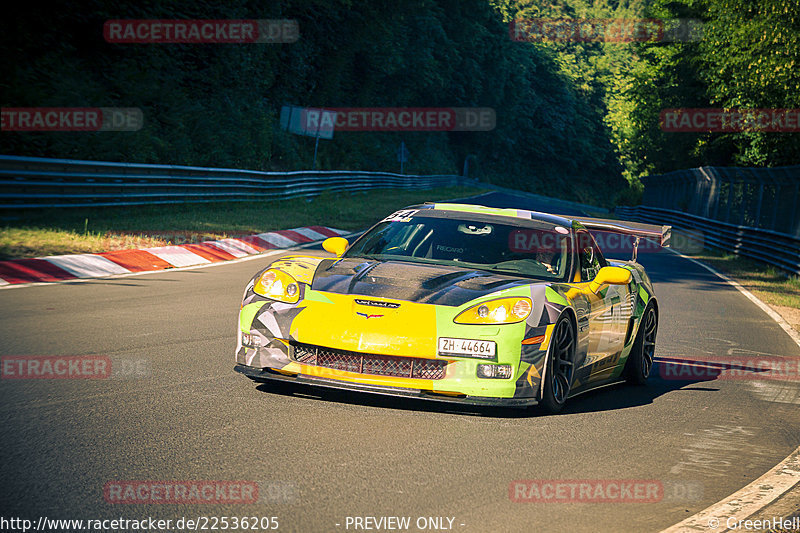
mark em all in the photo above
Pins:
pixel 399 280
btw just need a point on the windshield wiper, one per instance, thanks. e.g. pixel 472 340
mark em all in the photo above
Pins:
pixel 513 270
pixel 501 269
pixel 362 256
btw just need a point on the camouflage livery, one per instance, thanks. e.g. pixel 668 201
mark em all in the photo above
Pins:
pixel 420 328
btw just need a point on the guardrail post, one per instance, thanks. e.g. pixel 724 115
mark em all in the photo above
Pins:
pixel 731 189
pixel 793 225
pixel 775 206
pixel 700 193
pixel 743 209
pixel 713 194
pixel 676 192
pixel 757 221
pixel 717 193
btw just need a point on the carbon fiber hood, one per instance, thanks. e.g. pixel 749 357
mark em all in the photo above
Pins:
pixel 430 284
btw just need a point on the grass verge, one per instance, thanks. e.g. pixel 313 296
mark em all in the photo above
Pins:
pixel 92 230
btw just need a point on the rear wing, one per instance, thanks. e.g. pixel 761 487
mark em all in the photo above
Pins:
pixel 661 235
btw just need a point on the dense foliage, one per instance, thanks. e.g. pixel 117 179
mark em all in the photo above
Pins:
pixel 573 119
pixel 749 58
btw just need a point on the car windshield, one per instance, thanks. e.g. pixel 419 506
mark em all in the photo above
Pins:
pixel 499 247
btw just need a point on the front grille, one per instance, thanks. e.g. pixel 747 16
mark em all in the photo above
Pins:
pixel 366 363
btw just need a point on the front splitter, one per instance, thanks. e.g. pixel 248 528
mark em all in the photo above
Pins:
pixel 266 374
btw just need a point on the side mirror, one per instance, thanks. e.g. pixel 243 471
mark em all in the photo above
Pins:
pixel 335 245
pixel 610 276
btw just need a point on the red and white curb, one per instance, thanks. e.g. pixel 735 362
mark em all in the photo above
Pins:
pixel 82 266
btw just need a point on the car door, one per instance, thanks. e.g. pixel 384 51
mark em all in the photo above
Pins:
pixel 606 320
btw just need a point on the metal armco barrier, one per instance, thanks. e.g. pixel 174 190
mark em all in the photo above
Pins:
pixel 765 198
pixel 33 182
pixel 778 249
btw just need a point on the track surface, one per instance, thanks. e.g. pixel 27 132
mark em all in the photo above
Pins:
pixel 190 417
pixel 531 203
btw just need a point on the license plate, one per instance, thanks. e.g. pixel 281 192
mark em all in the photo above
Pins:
pixel 467 348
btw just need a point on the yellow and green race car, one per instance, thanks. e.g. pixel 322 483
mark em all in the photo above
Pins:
pixel 456 303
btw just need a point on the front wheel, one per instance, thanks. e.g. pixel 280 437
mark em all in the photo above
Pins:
pixel 640 360
pixel 560 366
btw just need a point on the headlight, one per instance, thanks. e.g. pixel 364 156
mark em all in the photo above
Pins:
pixel 502 311
pixel 278 286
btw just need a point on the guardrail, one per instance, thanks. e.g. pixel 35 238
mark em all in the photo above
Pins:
pixel 778 249
pixel 33 182
pixel 765 198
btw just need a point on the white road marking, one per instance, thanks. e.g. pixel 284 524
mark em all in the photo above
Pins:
pixel 86 265
pixel 277 240
pixel 311 234
pixel 234 247
pixel 712 451
pixel 745 502
pixel 776 391
pixel 749 295
pixel 177 256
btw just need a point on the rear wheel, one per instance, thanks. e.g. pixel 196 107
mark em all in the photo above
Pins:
pixel 560 366
pixel 640 360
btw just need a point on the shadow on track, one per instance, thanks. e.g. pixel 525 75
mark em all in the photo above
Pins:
pixel 610 398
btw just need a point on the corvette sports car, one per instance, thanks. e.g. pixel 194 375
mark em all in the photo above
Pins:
pixel 457 303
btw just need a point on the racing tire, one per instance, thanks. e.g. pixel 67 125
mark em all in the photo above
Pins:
pixel 560 366
pixel 640 360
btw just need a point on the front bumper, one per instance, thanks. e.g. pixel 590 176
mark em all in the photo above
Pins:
pixel 266 374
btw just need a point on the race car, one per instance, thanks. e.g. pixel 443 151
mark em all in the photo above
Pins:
pixel 457 303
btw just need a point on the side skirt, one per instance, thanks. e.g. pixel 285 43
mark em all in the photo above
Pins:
pixel 594 386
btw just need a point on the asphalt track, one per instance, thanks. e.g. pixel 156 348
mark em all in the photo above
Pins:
pixel 319 457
